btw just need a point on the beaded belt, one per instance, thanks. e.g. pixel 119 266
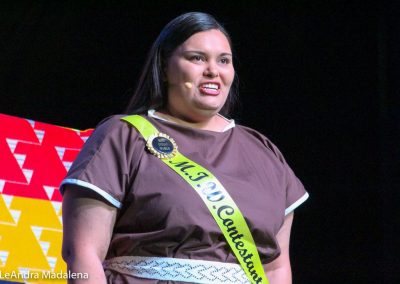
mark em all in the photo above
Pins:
pixel 178 269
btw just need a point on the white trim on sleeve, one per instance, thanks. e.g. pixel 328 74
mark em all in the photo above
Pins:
pixel 96 189
pixel 296 204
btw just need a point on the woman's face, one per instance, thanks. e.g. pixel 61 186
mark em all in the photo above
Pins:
pixel 199 75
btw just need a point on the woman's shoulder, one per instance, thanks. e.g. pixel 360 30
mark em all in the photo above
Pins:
pixel 257 137
pixel 111 121
pixel 112 128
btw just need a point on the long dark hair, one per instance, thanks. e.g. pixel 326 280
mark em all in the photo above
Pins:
pixel 150 91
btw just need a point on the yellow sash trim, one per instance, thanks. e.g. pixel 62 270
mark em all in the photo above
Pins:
pixel 222 207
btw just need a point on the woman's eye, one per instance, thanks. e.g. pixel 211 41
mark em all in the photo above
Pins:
pixel 196 58
pixel 225 60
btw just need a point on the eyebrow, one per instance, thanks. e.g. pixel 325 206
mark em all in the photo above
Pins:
pixel 205 53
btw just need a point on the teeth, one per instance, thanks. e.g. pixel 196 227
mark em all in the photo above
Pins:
pixel 211 86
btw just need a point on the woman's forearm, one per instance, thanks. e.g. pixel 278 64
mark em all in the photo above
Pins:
pixel 281 275
pixel 88 270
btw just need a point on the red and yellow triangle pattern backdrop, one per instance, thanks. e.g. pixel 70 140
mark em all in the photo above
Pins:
pixel 34 158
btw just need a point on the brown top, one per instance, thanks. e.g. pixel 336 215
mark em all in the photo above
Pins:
pixel 161 215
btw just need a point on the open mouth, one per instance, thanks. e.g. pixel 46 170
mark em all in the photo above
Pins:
pixel 211 89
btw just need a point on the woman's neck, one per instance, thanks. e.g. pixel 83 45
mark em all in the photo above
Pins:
pixel 214 123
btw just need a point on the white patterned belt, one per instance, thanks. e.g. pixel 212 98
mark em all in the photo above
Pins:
pixel 178 269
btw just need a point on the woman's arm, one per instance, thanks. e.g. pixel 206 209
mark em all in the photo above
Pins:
pixel 87 228
pixel 279 270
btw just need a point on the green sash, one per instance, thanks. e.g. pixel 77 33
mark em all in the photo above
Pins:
pixel 222 207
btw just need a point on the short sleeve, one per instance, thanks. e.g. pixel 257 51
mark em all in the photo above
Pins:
pixel 295 191
pixel 104 164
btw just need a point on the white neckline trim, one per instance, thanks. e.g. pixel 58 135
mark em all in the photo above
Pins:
pixel 151 113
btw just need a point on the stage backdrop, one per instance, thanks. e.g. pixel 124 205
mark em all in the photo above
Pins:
pixel 34 158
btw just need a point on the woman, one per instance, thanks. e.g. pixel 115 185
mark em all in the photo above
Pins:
pixel 123 205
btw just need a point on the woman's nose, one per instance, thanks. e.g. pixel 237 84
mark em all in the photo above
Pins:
pixel 211 71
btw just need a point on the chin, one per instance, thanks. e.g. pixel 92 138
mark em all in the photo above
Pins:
pixel 209 107
pixel 206 113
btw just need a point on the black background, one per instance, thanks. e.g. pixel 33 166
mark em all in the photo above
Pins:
pixel 319 78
